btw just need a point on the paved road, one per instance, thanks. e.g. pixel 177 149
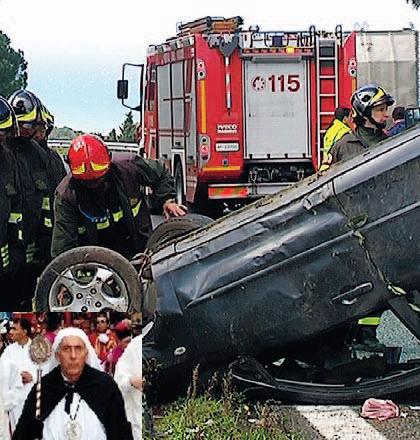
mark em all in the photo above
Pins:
pixel 393 334
pixel 345 423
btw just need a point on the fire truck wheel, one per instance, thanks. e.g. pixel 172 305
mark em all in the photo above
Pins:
pixel 175 227
pixel 88 279
pixel 179 184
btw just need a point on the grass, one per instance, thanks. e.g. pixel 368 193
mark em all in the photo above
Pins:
pixel 227 417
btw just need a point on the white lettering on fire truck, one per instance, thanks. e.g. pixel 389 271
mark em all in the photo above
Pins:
pixel 258 83
pixel 227 128
pixel 280 83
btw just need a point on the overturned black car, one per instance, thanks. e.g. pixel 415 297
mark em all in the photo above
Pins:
pixel 273 292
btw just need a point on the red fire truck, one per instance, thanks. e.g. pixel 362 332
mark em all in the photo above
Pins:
pixel 237 114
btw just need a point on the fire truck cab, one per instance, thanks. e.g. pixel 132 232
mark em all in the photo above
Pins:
pixel 238 114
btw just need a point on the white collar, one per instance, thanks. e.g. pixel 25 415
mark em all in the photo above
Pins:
pixel 24 346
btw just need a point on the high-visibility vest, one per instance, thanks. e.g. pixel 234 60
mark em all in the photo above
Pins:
pixel 336 131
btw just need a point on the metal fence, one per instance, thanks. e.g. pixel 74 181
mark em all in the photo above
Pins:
pixel 62 145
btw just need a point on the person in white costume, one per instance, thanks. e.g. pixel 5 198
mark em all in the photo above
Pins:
pixel 4 421
pixel 128 377
pixel 78 401
pixel 17 371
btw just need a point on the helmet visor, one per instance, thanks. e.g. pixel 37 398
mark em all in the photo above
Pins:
pixel 8 125
pixel 24 108
pixel 6 116
pixel 6 121
pixel 381 97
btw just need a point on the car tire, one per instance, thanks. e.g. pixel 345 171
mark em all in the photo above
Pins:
pixel 391 387
pixel 175 227
pixel 323 395
pixel 89 254
pixel 179 184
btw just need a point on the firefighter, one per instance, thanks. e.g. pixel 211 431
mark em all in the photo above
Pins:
pixel 56 164
pixel 369 112
pixel 56 172
pixel 340 126
pixel 36 186
pixel 10 210
pixel 102 201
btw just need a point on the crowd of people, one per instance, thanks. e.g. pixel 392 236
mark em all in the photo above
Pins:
pixel 90 383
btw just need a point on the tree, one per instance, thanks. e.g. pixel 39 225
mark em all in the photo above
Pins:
pixel 112 136
pixel 414 3
pixel 99 135
pixel 13 75
pixel 63 133
pixel 128 129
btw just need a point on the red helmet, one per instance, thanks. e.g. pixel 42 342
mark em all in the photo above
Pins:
pixel 88 157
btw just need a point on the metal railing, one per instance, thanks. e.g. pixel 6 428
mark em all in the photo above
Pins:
pixel 64 144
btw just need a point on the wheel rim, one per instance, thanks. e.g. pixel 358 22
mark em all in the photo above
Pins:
pixel 88 287
pixel 179 188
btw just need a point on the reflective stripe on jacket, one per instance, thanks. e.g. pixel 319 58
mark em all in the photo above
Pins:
pixel 129 177
pixel 10 214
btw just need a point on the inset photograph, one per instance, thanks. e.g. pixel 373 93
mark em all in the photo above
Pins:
pixel 70 376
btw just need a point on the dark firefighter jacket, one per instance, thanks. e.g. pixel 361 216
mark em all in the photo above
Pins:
pixel 355 142
pixel 56 170
pixel 348 146
pixel 115 215
pixel 10 213
pixel 55 174
pixel 34 188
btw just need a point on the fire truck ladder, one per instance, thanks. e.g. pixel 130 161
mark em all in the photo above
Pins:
pixel 227 41
pixel 210 24
pixel 326 53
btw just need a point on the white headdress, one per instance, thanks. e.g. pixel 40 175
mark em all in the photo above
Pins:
pixel 92 359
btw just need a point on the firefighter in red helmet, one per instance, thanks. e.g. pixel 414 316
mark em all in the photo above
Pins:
pixel 89 159
pixel 101 202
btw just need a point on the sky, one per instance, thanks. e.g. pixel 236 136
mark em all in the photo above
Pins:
pixel 75 49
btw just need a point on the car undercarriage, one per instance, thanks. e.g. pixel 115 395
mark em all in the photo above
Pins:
pixel 272 293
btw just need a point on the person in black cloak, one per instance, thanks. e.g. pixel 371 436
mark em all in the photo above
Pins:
pixel 78 400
